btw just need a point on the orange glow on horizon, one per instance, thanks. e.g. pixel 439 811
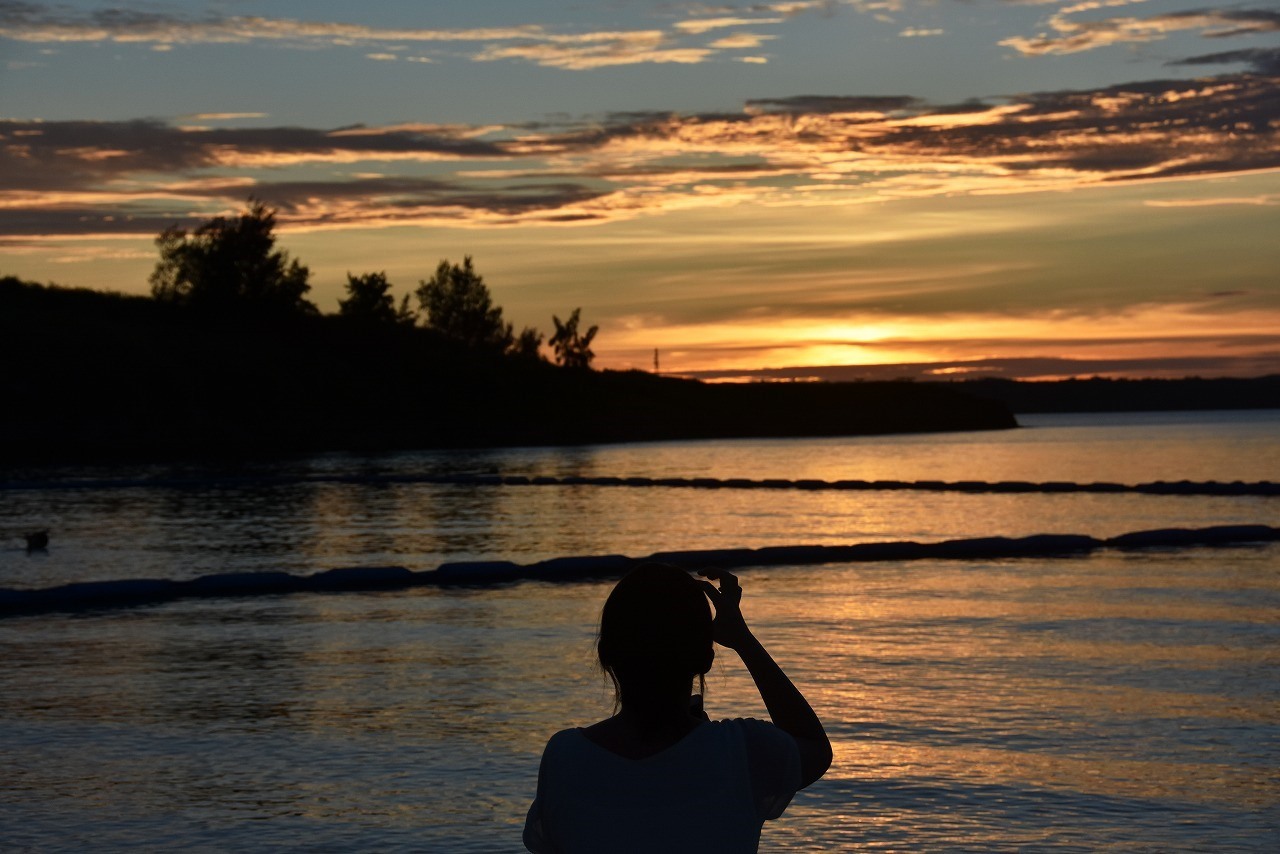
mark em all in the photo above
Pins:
pixel 802 343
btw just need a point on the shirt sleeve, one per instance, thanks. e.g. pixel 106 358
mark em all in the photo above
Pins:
pixel 535 836
pixel 773 760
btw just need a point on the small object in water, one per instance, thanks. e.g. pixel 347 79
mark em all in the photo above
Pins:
pixel 37 540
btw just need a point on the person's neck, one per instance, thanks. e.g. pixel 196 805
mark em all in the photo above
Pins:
pixel 658 717
pixel 647 726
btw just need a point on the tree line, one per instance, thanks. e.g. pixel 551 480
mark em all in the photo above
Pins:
pixel 231 264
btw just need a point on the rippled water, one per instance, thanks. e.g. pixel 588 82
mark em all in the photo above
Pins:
pixel 261 517
pixel 1124 701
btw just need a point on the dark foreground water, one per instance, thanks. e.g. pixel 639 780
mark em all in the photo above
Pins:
pixel 1123 701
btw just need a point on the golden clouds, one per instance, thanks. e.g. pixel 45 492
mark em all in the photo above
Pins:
pixel 1072 28
pixel 698 26
pixel 801 152
pixel 1071 35
pixel 604 51
pixel 575 51
pixel 740 40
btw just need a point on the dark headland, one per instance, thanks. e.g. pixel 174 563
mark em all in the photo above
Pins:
pixel 1103 394
pixel 93 375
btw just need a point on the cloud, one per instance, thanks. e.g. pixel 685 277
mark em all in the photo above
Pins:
pixel 804 150
pixel 1238 22
pixel 308 205
pixel 632 50
pixel 826 104
pixel 1260 200
pixel 94 254
pixel 576 51
pixel 1075 36
pixel 740 41
pixel 37 155
pixel 1014 368
pixel 916 32
pixel 697 26
pixel 39 23
pixel 221 117
pixel 785 8
pixel 1263 60
pixel 978 338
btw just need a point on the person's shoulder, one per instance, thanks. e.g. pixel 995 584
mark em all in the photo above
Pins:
pixel 572 735
pixel 564 741
pixel 762 736
pixel 773 761
pixel 752 726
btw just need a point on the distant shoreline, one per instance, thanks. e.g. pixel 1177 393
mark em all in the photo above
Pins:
pixel 95 377
pixel 559 409
pixel 100 377
pixel 1128 395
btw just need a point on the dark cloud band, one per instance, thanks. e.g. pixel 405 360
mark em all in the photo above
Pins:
pixel 82 176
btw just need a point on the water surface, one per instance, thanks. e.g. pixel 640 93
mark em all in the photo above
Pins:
pixel 1118 702
pixel 192 521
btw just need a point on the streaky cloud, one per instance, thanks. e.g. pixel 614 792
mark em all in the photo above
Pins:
pixel 698 26
pixel 584 57
pixel 740 41
pixel 804 150
pixel 221 117
pixel 1259 200
pixel 1012 368
pixel 1238 22
pixel 825 104
pixel 39 23
pixel 40 155
pixel 534 43
pixel 1263 60
pixel 919 32
pixel 1075 36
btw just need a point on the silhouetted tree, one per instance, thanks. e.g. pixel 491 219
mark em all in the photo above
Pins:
pixel 369 300
pixel 527 344
pixel 458 305
pixel 572 349
pixel 230 262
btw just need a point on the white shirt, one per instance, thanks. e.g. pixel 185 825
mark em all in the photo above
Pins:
pixel 709 792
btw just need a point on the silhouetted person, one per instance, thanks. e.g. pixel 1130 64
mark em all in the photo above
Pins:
pixel 37 541
pixel 659 777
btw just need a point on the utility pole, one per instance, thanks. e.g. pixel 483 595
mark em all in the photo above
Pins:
pixel 655 361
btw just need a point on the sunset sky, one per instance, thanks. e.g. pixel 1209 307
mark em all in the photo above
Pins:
pixel 960 186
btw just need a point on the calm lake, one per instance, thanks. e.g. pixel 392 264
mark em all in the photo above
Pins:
pixel 1124 701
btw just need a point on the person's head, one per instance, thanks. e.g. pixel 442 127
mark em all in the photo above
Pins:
pixel 655 633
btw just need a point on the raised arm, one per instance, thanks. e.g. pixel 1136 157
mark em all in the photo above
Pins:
pixel 787 707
